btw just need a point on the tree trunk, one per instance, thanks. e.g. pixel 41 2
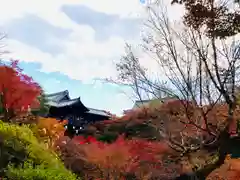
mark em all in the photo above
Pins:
pixel 3 105
pixel 225 144
pixel 5 113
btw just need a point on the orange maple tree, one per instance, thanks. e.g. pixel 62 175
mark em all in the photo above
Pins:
pixel 18 91
pixel 230 170
pixel 50 130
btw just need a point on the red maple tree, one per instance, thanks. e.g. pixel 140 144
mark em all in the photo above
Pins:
pixel 18 91
pixel 124 156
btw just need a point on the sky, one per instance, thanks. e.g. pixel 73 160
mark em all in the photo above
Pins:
pixel 70 44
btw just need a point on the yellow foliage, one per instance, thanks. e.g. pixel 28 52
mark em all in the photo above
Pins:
pixel 50 130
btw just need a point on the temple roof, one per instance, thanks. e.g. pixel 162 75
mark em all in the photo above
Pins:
pixel 62 99
pixel 59 96
pixel 98 112
pixel 140 103
pixel 64 102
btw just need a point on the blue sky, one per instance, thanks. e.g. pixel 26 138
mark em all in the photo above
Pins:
pixel 68 44
pixel 96 94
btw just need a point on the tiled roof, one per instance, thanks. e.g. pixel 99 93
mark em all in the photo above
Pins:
pixel 62 99
pixel 145 102
pixel 64 103
pixel 97 112
pixel 57 97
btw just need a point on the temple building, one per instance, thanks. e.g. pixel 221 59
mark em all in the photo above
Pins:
pixel 78 115
pixel 146 103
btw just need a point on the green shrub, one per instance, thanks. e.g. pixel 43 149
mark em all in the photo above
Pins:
pixel 144 131
pixel 108 137
pixel 23 155
pixel 28 172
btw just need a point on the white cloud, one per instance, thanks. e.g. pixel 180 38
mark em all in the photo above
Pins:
pixel 124 8
pixel 78 61
pixel 50 10
pixel 82 58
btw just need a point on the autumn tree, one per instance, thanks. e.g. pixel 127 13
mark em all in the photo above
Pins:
pixel 184 90
pixel 200 59
pixel 49 130
pixel 218 24
pixel 19 92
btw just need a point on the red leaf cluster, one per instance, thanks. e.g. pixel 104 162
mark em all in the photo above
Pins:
pixel 136 156
pixel 83 140
pixel 18 90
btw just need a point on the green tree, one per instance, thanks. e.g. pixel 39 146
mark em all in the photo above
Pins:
pixel 43 107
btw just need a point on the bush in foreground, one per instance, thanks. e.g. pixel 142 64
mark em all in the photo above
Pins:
pixel 24 157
